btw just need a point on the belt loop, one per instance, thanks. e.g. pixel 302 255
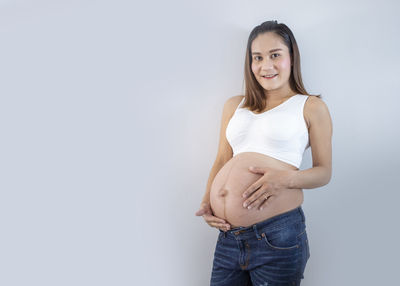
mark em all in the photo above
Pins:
pixel 255 230
pixel 225 233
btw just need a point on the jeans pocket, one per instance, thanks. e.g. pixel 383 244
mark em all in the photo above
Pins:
pixel 286 238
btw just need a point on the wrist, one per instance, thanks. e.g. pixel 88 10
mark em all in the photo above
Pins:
pixel 290 179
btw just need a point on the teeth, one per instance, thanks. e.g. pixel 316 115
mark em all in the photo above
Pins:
pixel 269 75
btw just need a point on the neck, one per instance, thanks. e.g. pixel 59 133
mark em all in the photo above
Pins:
pixel 277 95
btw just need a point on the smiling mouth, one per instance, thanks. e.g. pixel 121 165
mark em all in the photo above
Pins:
pixel 269 77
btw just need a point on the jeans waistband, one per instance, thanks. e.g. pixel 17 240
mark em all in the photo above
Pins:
pixel 292 216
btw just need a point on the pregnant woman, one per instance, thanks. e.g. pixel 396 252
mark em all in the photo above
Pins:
pixel 255 188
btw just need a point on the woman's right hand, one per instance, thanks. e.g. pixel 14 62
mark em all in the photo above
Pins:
pixel 213 221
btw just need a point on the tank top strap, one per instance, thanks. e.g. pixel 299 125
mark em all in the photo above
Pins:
pixel 298 108
pixel 303 100
pixel 240 103
pixel 297 102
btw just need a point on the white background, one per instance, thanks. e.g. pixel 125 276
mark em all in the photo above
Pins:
pixel 109 122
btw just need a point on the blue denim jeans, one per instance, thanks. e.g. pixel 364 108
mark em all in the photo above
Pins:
pixel 269 253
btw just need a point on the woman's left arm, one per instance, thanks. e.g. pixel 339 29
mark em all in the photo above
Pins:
pixel 320 135
pixel 273 181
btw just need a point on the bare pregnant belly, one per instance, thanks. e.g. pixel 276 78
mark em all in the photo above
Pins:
pixel 234 178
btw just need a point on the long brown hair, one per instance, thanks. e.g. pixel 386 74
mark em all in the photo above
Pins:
pixel 254 92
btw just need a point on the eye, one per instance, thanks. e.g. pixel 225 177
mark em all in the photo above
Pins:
pixel 256 57
pixel 276 54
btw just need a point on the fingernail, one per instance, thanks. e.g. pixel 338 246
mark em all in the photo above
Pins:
pixel 244 205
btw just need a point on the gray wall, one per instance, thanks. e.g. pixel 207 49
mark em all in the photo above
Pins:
pixel 109 121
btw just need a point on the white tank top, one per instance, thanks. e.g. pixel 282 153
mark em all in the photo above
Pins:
pixel 280 132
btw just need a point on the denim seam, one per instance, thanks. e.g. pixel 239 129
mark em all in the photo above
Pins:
pixel 280 248
pixel 301 233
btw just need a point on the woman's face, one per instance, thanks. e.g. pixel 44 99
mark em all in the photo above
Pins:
pixel 270 56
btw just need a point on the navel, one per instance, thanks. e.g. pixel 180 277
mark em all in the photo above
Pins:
pixel 222 192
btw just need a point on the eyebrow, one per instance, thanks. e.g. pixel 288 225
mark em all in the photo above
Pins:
pixel 271 51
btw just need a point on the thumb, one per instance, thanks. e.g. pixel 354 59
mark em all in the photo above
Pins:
pixel 201 211
pixel 205 208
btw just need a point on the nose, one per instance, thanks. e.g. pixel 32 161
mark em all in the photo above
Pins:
pixel 267 65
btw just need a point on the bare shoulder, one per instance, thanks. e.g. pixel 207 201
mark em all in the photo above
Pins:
pixel 232 103
pixel 315 109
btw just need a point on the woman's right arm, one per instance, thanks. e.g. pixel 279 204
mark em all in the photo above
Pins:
pixel 225 151
pixel 224 154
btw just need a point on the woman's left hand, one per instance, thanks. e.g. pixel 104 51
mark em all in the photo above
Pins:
pixel 270 184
